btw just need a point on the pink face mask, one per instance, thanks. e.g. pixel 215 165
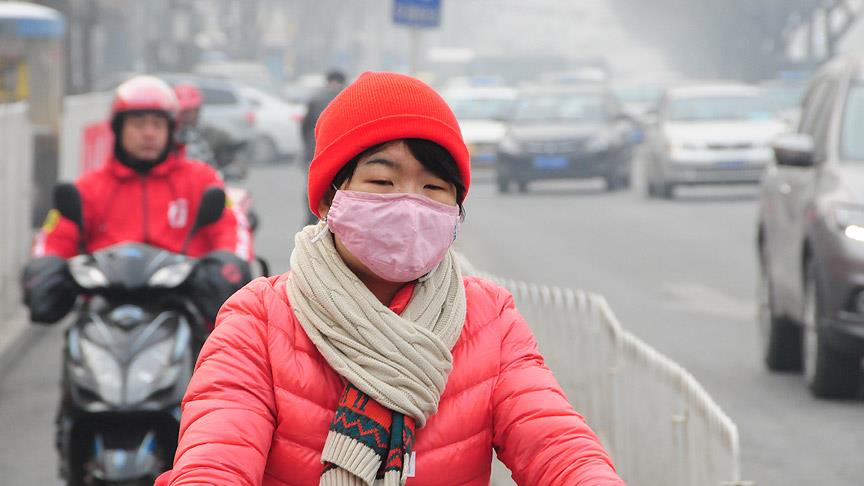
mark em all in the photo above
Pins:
pixel 399 237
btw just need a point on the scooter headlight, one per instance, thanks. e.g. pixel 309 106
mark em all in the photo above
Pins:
pixel 85 274
pixel 148 372
pixel 105 370
pixel 172 275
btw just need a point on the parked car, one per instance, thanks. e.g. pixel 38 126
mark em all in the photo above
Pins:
pixel 277 126
pixel 247 73
pixel 482 114
pixel 709 134
pixel 227 121
pixel 565 132
pixel 811 238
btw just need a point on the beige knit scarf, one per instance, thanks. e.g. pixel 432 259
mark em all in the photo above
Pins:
pixel 400 361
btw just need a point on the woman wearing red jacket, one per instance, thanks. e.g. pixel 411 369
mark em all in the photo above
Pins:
pixel 374 361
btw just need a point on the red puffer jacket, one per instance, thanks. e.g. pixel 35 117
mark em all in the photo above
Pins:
pixel 262 398
pixel 158 208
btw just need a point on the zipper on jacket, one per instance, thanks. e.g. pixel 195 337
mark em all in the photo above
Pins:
pixel 146 238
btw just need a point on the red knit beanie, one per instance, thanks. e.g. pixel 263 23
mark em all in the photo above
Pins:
pixel 379 108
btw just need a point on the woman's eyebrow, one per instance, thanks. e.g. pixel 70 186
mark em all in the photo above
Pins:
pixel 381 161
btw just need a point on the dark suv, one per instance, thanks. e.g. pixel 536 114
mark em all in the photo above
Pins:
pixel 811 237
pixel 566 132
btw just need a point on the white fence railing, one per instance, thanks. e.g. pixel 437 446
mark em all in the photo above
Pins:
pixel 16 189
pixel 658 423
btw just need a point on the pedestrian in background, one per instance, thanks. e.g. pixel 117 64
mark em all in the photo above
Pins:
pixel 374 361
pixel 335 84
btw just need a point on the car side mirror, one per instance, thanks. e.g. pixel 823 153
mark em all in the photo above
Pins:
pixel 794 150
pixel 209 211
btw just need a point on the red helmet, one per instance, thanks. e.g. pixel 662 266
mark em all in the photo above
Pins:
pixel 145 93
pixel 188 95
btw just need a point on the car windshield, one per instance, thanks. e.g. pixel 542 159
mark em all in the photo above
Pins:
pixel 851 140
pixel 639 94
pixel 563 107
pixel 720 108
pixel 785 97
pixel 481 108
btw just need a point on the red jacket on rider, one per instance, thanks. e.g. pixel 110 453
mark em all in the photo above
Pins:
pixel 157 208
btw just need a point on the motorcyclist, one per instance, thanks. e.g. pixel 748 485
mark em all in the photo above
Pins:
pixel 148 192
pixel 189 138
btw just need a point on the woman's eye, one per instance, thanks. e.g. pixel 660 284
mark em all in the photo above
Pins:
pixel 381 182
pixel 434 187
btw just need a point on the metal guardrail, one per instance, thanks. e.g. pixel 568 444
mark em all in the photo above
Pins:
pixel 658 423
pixel 16 190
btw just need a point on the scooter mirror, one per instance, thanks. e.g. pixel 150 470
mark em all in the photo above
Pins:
pixel 67 200
pixel 209 211
pixel 211 208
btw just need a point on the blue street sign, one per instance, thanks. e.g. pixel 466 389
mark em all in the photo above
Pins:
pixel 417 13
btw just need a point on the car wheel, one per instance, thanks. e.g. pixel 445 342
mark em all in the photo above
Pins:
pixel 625 182
pixel 781 338
pixel 829 373
pixel 523 186
pixel 503 184
pixel 665 190
pixel 613 183
pixel 650 189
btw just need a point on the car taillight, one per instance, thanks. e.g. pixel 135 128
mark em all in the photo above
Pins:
pixel 250 118
pixel 297 116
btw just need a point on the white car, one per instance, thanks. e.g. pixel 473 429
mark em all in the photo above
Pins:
pixel 482 113
pixel 277 126
pixel 710 134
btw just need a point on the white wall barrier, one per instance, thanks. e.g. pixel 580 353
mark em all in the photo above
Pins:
pixel 658 423
pixel 84 119
pixel 16 189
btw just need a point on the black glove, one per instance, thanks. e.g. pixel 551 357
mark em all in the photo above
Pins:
pixel 218 275
pixel 49 290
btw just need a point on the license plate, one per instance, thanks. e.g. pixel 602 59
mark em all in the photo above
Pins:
pixel 550 162
pixel 731 164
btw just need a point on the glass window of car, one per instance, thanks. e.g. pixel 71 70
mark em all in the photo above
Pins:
pixel 481 108
pixel 640 95
pixel 851 139
pixel 588 107
pixel 784 97
pixel 214 96
pixel 714 108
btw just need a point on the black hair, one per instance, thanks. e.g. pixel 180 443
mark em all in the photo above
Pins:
pixel 435 158
pixel 335 76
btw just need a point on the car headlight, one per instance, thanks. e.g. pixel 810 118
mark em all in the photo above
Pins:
pixel 509 145
pixel 148 373
pixel 86 274
pixel 849 218
pixel 172 275
pixel 105 370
